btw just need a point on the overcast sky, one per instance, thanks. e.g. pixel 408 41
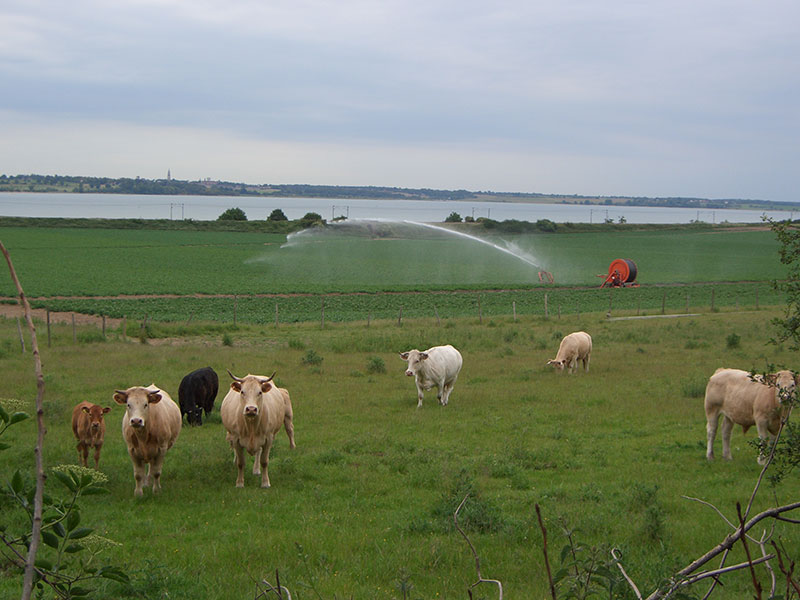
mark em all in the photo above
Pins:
pixel 633 98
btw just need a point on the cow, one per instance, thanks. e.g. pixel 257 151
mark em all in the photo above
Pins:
pixel 89 428
pixel 197 393
pixel 150 426
pixel 253 412
pixel 574 347
pixel 438 366
pixel 745 399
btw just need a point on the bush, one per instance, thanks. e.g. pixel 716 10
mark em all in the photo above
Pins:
pixel 277 215
pixel 453 218
pixel 734 340
pixel 376 365
pixel 312 358
pixel 233 214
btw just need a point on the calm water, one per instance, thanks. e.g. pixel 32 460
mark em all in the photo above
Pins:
pixel 204 208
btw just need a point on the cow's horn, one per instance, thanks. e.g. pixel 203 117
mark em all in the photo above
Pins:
pixel 271 376
pixel 234 377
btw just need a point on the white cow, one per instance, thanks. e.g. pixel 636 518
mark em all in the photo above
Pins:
pixel 150 426
pixel 438 366
pixel 746 400
pixel 574 347
pixel 252 412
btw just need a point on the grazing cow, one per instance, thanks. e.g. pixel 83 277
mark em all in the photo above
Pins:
pixel 197 393
pixel 89 429
pixel 438 366
pixel 746 400
pixel 574 347
pixel 150 427
pixel 253 412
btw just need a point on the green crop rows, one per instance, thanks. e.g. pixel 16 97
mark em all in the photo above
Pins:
pixel 380 277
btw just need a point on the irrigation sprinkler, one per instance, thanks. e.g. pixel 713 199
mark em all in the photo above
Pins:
pixel 621 273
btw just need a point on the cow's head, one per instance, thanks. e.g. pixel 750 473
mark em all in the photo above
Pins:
pixel 415 360
pixel 137 401
pixel 95 412
pixel 558 364
pixel 785 382
pixel 251 390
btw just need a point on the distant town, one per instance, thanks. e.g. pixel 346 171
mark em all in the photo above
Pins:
pixel 208 187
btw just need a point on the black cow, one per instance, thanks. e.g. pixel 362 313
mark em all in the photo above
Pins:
pixel 197 393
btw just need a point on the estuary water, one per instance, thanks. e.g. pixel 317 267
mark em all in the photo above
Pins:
pixel 204 208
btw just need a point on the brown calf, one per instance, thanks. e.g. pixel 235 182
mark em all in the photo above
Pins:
pixel 89 429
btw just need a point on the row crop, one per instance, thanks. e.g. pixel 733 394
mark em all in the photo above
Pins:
pixel 355 307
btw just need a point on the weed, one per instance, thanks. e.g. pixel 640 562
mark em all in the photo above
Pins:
pixel 375 364
pixel 312 358
pixel 733 341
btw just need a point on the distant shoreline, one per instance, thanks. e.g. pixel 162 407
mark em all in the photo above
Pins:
pixel 78 184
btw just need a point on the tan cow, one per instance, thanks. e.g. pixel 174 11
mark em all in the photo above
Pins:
pixel 253 412
pixel 89 428
pixel 746 400
pixel 574 347
pixel 150 427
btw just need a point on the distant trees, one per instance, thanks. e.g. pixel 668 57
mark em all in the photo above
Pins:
pixel 277 215
pixel 454 217
pixel 233 214
pixel 311 219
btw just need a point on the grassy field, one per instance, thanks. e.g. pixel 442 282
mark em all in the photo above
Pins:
pixel 365 502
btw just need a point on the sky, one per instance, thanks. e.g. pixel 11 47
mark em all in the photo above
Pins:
pixel 656 98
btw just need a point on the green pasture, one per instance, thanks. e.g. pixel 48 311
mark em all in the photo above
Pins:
pixel 365 502
pixel 96 262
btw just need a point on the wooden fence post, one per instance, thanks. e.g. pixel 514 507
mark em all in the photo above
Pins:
pixel 514 309
pixel 559 312
pixel 235 307
pixel 369 318
pixel 276 315
pixel 663 302
pixel 610 298
pixel 687 302
pixel 125 327
pixel 545 306
pixel 712 299
pixel 74 332
pixel 48 327
pixel 322 317
pixel 21 338
pixel 104 327
pixel 480 312
pixel 400 316
pixel 756 298
pixel 436 312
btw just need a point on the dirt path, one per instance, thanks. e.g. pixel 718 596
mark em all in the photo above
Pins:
pixel 11 311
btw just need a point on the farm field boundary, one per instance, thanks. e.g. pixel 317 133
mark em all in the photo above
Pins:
pixel 276 309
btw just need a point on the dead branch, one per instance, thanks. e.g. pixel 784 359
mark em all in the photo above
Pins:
pixel 616 558
pixel 544 549
pixel 475 555
pixel 27 584
pixel 786 571
pixel 716 572
pixel 756 583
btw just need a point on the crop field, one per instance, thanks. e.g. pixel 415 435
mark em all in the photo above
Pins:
pixel 363 507
pixel 412 273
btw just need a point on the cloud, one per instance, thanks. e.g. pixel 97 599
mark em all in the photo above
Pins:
pixel 584 87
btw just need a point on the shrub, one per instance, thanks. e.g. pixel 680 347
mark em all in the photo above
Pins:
pixel 277 215
pixel 733 340
pixel 227 340
pixel 233 214
pixel 312 358
pixel 454 217
pixel 376 364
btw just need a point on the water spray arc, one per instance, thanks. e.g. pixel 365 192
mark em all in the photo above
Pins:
pixel 518 255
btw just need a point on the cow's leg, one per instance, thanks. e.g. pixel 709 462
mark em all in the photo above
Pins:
pixel 154 472
pixel 265 461
pixel 764 434
pixel 257 462
pixel 419 395
pixel 83 453
pixel 711 433
pixel 727 428
pixel 586 364
pixel 237 449
pixel 289 427
pixel 448 387
pixel 97 457
pixel 139 475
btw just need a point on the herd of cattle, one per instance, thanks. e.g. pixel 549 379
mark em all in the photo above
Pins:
pixel 254 409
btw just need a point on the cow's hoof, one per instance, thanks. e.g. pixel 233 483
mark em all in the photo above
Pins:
pixel 265 486
pixel 239 485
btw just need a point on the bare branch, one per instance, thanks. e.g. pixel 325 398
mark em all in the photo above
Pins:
pixel 475 554
pixel 716 572
pixel 756 583
pixel 624 574
pixel 27 584
pixel 546 559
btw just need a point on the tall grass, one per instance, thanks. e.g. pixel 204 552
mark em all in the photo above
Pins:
pixel 363 506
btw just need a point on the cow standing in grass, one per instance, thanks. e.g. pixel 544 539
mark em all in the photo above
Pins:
pixel 574 347
pixel 745 399
pixel 253 412
pixel 438 366
pixel 197 393
pixel 150 427
pixel 89 428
